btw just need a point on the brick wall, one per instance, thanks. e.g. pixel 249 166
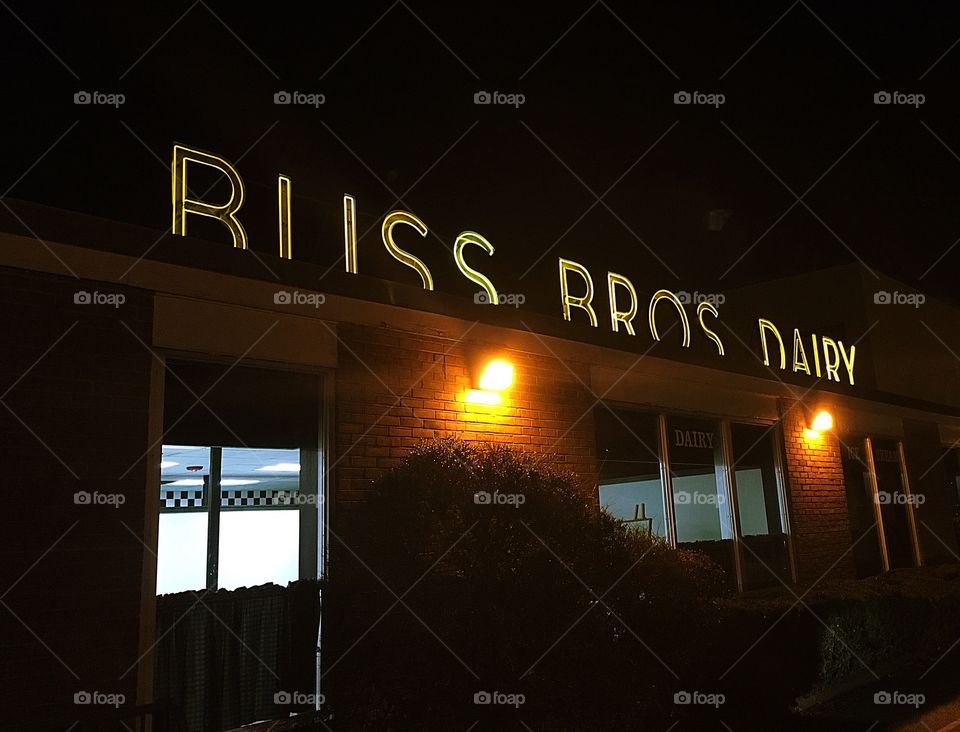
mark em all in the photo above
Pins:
pixel 821 531
pixel 77 382
pixel 395 390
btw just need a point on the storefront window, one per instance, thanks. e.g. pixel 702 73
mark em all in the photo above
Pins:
pixel 893 503
pixel 701 481
pixel 700 505
pixel 257 524
pixel 630 484
pixel 860 509
pixel 239 478
pixel 764 554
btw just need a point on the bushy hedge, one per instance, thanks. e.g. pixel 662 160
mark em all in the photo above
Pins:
pixel 522 586
pixel 506 561
pixel 884 624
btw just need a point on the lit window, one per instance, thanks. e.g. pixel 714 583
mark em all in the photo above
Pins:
pixel 256 523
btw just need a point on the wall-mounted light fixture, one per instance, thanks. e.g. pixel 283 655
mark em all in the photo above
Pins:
pixel 492 378
pixel 821 422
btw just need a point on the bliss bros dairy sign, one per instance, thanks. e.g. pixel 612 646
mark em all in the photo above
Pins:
pixel 814 355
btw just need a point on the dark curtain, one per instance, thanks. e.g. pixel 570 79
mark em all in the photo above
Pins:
pixel 222 658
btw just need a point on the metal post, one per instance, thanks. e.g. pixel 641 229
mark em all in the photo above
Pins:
pixel 875 494
pixel 211 498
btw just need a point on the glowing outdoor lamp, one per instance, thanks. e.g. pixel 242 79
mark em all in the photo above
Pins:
pixel 822 422
pixel 496 376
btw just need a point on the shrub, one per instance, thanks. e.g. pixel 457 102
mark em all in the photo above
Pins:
pixel 533 592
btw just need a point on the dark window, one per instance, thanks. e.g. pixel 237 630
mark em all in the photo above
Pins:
pixel 759 506
pixel 630 484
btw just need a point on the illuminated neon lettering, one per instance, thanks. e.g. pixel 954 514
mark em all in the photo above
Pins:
pixel 183 204
pixel 472 237
pixel 848 359
pixel 284 187
pixel 706 307
pixel 350 233
pixel 816 354
pixel 799 355
pixel 621 316
pixel 570 301
pixel 405 217
pixel 831 358
pixel 765 327
pixel 658 297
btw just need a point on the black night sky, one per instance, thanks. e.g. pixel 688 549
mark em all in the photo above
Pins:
pixel 879 183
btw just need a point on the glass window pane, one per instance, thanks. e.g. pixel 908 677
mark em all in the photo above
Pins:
pixel 630 485
pixel 699 491
pixel 860 509
pixel 270 475
pixel 893 504
pixel 759 508
pixel 182 552
pixel 259 546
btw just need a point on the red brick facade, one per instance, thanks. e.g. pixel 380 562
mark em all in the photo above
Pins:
pixel 395 389
pixel 821 532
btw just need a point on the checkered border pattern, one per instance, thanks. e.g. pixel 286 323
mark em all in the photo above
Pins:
pixel 255 497
pixel 181 498
pixel 192 498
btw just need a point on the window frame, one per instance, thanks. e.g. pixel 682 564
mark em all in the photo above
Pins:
pixel 724 424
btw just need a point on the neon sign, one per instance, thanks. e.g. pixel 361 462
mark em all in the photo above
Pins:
pixel 826 358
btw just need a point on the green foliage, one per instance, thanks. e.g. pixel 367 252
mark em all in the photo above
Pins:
pixel 535 591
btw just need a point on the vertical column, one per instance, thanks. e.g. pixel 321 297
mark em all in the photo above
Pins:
pixel 211 495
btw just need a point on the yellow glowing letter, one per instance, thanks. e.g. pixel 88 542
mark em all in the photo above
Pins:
pixel 405 217
pixel 471 237
pixel 183 205
pixel 816 353
pixel 766 325
pixel 708 307
pixel 621 316
pixel 848 359
pixel 284 188
pixel 568 265
pixel 831 358
pixel 350 233
pixel 652 311
pixel 799 356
